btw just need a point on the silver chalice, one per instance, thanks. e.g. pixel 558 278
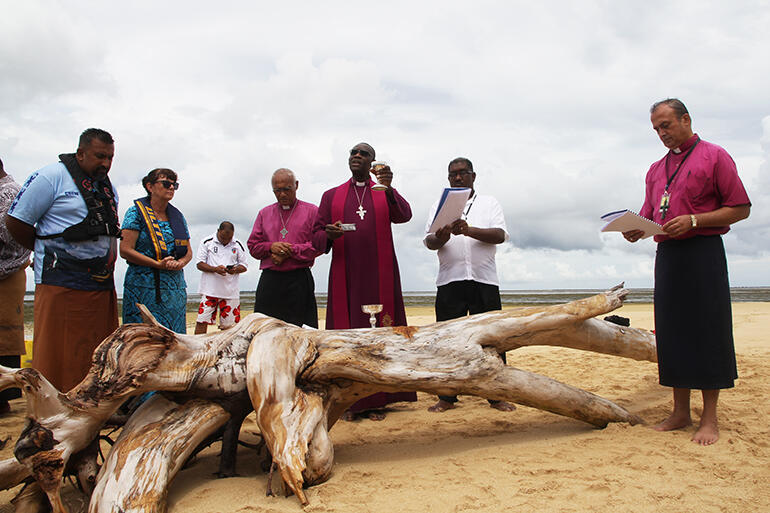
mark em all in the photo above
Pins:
pixel 372 310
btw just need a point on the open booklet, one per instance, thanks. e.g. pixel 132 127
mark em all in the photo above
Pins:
pixel 450 207
pixel 626 220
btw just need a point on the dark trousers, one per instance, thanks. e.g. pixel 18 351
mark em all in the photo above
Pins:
pixel 288 295
pixel 460 298
pixel 13 361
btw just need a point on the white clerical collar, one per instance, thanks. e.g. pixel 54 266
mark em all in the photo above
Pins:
pixel 360 184
pixel 286 207
pixel 676 150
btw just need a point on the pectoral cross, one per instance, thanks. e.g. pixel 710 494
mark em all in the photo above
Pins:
pixel 361 212
pixel 283 232
pixel 664 205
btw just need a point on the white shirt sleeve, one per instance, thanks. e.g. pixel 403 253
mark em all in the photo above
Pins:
pixel 241 255
pixel 497 217
pixel 203 251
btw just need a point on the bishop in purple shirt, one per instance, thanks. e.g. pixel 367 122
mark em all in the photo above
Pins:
pixel 694 191
pixel 281 239
pixel 364 269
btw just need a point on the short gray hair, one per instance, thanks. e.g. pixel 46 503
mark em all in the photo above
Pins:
pixel 284 170
pixel 676 105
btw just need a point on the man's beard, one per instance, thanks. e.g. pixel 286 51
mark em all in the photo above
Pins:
pixel 99 173
pixel 361 175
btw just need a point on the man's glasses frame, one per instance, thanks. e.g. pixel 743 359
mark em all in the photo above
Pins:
pixel 363 153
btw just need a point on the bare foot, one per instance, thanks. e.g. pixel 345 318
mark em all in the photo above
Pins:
pixel 674 421
pixel 348 416
pixel 375 415
pixel 441 406
pixel 502 406
pixel 707 434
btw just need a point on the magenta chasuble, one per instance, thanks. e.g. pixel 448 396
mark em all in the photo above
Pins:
pixel 364 268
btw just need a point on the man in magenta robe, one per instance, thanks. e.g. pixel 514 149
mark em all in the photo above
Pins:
pixel 364 269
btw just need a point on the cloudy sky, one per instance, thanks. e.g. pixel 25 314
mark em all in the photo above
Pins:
pixel 548 99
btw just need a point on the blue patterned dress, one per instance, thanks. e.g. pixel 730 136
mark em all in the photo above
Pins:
pixel 139 285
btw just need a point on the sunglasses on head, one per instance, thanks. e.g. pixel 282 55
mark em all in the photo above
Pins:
pixel 363 153
pixel 168 184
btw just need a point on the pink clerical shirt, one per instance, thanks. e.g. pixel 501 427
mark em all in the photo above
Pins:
pixel 707 181
pixel 298 223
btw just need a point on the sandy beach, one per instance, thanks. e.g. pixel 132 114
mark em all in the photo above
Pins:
pixel 474 458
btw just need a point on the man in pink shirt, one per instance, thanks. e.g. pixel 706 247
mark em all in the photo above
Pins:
pixel 281 239
pixel 695 193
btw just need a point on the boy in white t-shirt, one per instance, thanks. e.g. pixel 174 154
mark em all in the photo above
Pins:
pixel 221 258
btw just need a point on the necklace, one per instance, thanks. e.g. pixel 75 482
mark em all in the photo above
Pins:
pixel 284 231
pixel 360 211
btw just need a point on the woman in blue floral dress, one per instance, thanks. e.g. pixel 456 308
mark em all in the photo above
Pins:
pixel 156 245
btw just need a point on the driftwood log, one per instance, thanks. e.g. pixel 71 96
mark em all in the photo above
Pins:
pixel 299 381
pixel 151 448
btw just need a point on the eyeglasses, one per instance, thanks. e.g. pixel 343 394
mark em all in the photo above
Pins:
pixel 462 173
pixel 168 184
pixel 363 153
pixel 278 190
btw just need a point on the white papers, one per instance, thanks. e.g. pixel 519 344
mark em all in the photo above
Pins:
pixel 450 207
pixel 626 220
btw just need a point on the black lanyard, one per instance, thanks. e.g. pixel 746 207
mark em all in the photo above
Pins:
pixel 468 208
pixel 664 201
pixel 671 178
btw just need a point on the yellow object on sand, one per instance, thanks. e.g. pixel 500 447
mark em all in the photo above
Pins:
pixel 26 359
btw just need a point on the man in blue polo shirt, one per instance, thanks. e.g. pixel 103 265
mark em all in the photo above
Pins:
pixel 75 249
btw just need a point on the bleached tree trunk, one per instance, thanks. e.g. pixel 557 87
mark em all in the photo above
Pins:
pixel 301 380
pixel 135 359
pixel 12 473
pixel 151 449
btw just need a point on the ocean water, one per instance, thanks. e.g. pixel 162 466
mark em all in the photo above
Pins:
pixel 530 297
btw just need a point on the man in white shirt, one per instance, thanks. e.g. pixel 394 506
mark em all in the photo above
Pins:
pixel 467 277
pixel 221 258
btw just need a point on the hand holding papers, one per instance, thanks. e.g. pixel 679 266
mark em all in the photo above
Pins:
pixel 450 207
pixel 626 220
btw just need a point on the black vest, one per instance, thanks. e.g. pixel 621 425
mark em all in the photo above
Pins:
pixel 102 217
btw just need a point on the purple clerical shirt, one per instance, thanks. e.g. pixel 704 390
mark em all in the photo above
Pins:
pixel 707 180
pixel 298 222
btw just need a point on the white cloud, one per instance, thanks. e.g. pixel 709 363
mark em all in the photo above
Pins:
pixel 549 100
